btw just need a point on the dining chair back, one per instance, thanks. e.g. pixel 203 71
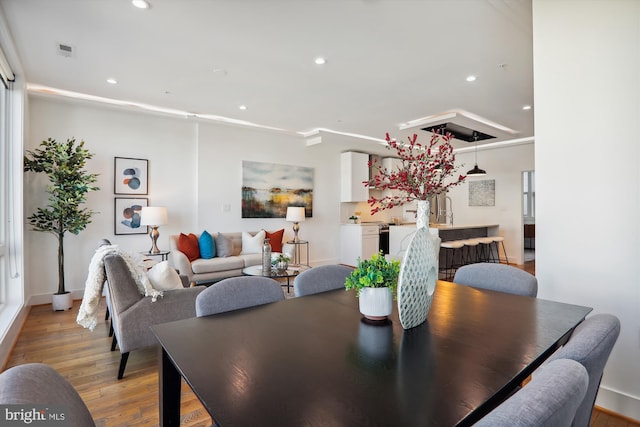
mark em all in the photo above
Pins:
pixel 550 399
pixel 235 293
pixel 590 344
pixel 321 279
pixel 41 385
pixel 497 277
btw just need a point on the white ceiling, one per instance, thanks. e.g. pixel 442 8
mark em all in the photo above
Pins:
pixel 388 61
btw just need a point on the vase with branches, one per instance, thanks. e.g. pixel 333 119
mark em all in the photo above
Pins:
pixel 423 172
pixel 69 184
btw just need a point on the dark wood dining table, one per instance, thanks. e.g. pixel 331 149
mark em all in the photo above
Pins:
pixel 314 361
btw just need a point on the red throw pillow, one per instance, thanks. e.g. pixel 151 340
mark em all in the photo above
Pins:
pixel 275 239
pixel 188 245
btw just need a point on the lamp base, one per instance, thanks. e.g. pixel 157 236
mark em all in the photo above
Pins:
pixel 296 227
pixel 154 234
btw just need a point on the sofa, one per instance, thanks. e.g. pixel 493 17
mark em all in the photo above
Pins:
pixel 233 251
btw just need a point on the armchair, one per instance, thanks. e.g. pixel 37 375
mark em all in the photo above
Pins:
pixel 133 314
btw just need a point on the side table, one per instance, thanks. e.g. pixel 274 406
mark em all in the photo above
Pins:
pixel 164 255
pixel 297 249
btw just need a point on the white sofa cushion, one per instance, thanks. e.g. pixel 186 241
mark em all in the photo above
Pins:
pixel 252 244
pixel 163 277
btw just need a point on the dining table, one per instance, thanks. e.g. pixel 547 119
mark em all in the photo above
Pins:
pixel 316 361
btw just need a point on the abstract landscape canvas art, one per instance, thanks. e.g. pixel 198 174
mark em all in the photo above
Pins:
pixel 268 188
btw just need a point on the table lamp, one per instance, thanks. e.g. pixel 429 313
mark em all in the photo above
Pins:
pixel 154 217
pixel 295 214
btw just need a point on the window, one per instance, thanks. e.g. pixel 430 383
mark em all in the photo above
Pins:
pixel 4 179
pixel 528 196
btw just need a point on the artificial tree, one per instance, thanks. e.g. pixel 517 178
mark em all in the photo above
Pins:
pixel 69 183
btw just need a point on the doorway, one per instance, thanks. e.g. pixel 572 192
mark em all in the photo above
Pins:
pixel 529 215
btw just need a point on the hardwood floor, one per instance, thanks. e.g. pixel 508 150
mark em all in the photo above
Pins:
pixel 85 359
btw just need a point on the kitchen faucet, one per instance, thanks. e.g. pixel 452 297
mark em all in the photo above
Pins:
pixel 450 208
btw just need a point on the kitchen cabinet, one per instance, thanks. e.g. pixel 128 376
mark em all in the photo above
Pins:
pixel 358 241
pixel 354 170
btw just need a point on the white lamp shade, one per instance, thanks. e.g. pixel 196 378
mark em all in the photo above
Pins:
pixel 295 214
pixel 154 216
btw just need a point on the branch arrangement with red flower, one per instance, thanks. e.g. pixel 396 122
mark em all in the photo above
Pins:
pixel 424 171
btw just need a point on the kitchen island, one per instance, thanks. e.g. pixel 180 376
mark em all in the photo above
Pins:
pixel 400 235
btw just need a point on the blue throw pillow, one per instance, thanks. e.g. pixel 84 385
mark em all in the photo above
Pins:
pixel 207 246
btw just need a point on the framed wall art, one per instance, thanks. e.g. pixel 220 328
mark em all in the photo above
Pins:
pixel 269 188
pixel 482 193
pixel 131 176
pixel 127 215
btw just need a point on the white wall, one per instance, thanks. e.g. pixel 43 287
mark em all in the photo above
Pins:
pixel 587 103
pixel 195 168
pixel 505 166
pixel 221 152
pixel 170 146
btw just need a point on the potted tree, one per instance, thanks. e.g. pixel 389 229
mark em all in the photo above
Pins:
pixel 375 281
pixel 69 183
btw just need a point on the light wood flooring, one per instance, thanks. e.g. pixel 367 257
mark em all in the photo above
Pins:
pixel 85 359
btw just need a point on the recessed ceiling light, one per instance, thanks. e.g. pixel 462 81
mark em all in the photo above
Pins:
pixel 526 107
pixel 140 4
pixel 243 107
pixel 471 78
pixel 112 81
pixel 320 61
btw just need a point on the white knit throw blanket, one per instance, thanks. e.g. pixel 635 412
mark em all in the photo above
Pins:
pixel 88 314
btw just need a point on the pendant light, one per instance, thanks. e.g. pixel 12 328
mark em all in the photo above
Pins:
pixel 476 171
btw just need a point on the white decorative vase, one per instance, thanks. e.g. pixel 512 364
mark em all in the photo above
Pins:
pixel 62 302
pixel 418 277
pixel 423 213
pixel 376 303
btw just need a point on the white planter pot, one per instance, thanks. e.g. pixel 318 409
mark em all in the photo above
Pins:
pixel 62 302
pixel 376 303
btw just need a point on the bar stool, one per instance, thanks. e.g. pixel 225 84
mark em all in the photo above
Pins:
pixel 471 246
pixel 486 254
pixel 499 240
pixel 450 266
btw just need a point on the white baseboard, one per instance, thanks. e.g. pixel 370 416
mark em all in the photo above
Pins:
pixel 46 298
pixel 619 402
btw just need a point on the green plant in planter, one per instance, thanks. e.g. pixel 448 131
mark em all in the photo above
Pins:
pixel 69 183
pixel 376 272
pixel 281 258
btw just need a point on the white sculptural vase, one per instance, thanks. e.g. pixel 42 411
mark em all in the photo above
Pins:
pixel 418 277
pixel 422 214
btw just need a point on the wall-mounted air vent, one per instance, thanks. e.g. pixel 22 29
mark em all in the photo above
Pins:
pixel 65 50
pixel 459 132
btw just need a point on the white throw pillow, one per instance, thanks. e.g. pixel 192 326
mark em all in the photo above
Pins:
pixel 163 277
pixel 252 244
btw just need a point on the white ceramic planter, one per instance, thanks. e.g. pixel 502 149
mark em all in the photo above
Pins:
pixel 62 302
pixel 376 303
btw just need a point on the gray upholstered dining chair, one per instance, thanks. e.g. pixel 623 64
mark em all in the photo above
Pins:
pixel 497 277
pixel 550 399
pixel 40 384
pixel 321 279
pixel 239 292
pixel 590 344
